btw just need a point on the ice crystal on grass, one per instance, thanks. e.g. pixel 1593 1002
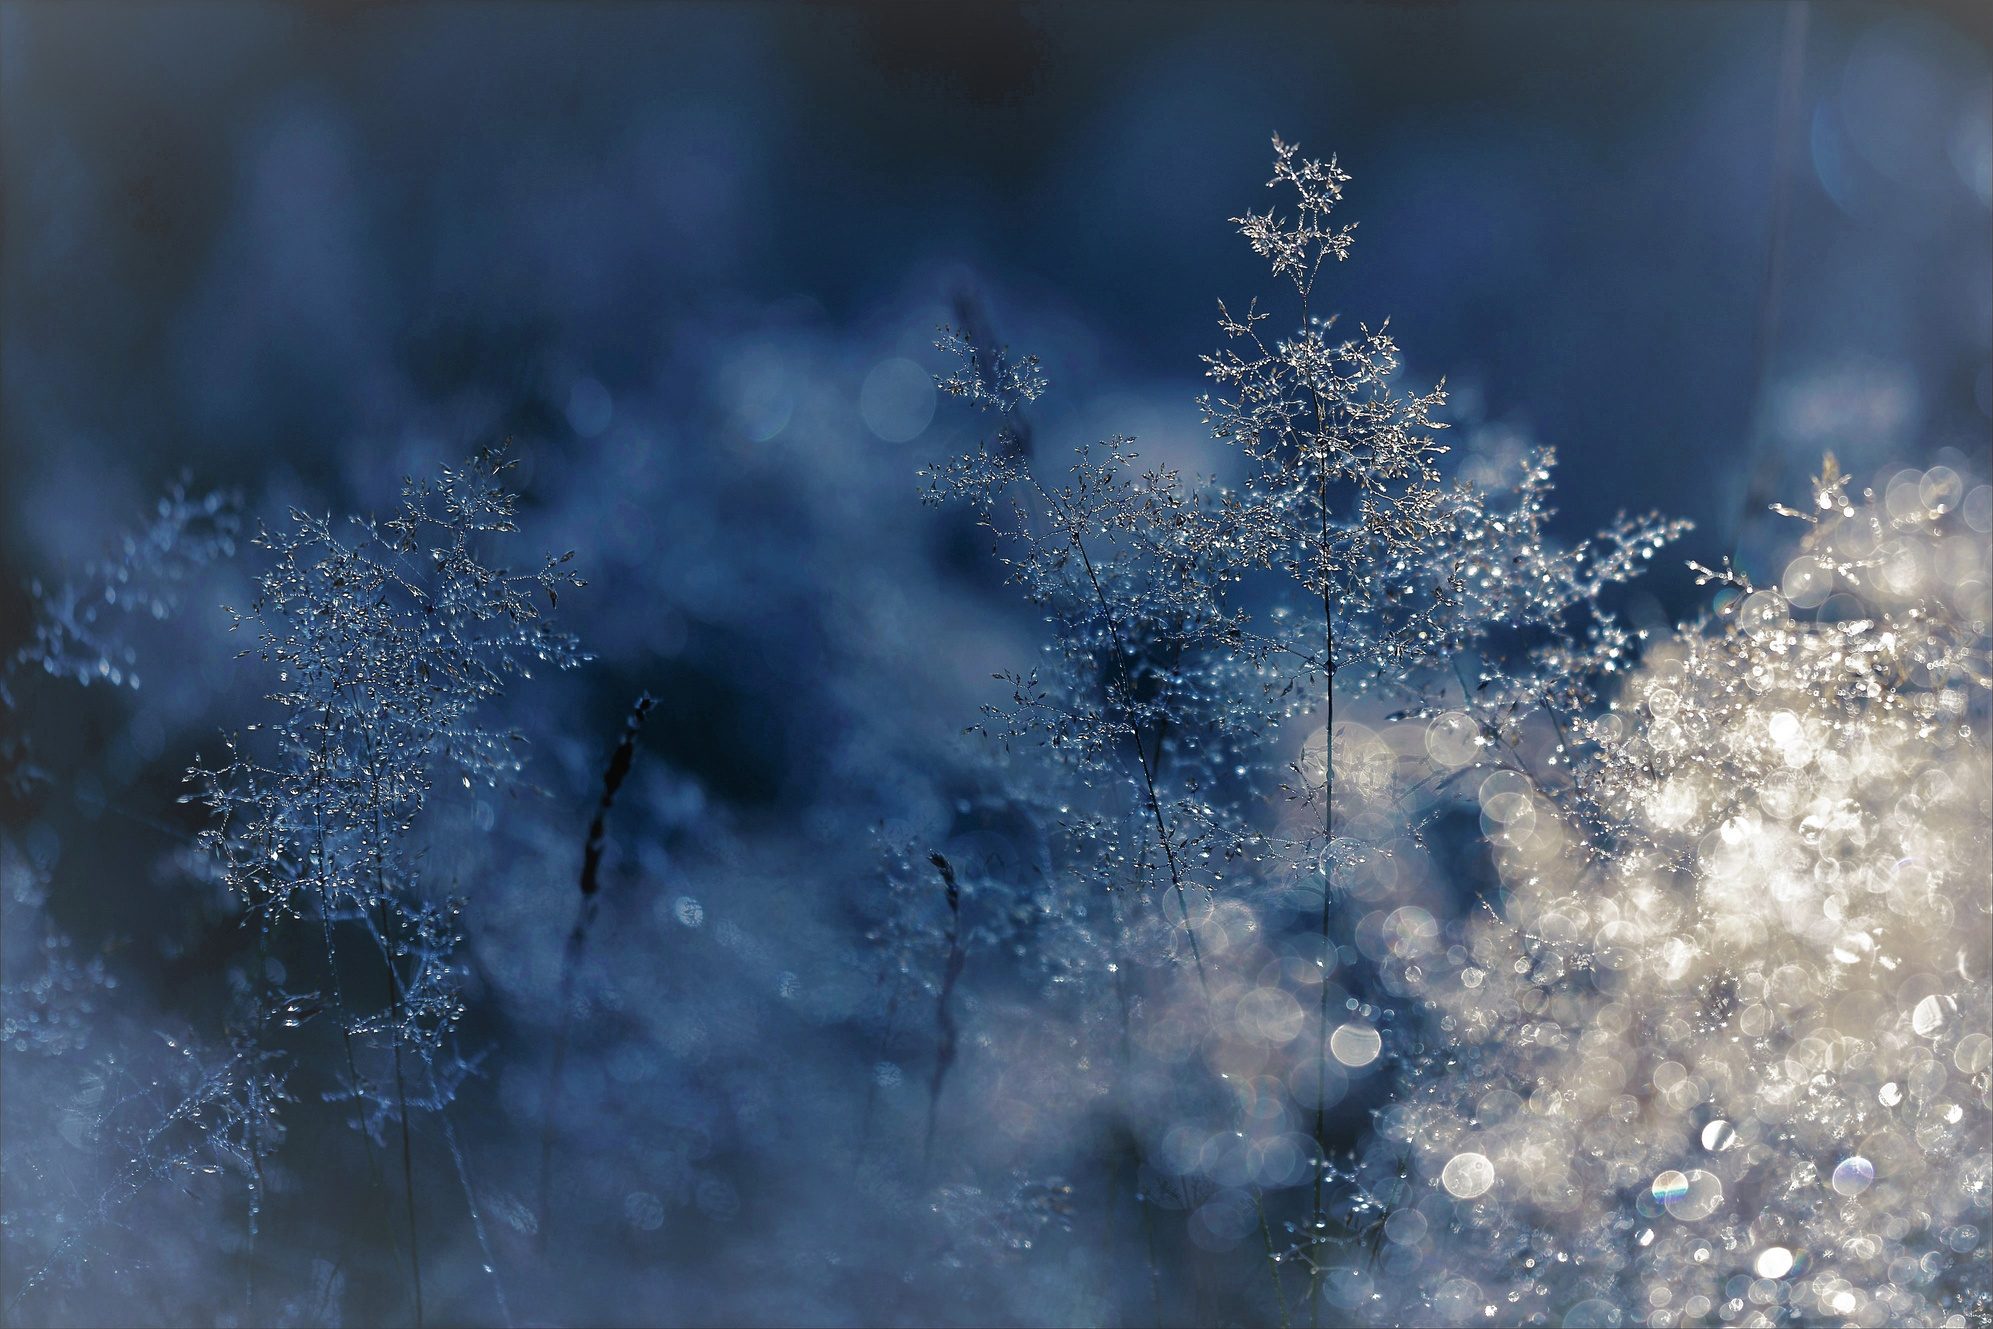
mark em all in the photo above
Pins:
pixel 384 649
pixel 162 1112
pixel 159 1109
pixel 1198 626
pixel 1350 920
pixel 77 633
pixel 1726 1049
pixel 73 632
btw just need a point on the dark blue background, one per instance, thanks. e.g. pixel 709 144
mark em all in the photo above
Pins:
pixel 239 235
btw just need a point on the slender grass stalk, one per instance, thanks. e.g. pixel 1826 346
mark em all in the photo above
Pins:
pixel 1316 1220
pixel 577 944
pixel 1272 1258
pixel 944 1017
pixel 477 1216
pixel 1075 525
pixel 401 1106
pixel 376 1180
pixel 396 1014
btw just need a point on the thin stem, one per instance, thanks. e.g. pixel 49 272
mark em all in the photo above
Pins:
pixel 395 1017
pixel 376 1178
pixel 1169 852
pixel 255 1190
pixel 1316 1221
pixel 1272 1260
pixel 1127 1065
pixel 1142 756
pixel 470 1198
pixel 944 1018
pixel 577 943
pixel 1169 848
pixel 401 1103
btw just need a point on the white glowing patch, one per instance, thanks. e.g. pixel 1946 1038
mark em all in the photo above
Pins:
pixel 1356 1044
pixel 1467 1175
pixel 1783 727
pixel 1928 1018
pixel 1773 1262
pixel 1853 1175
pixel 1690 1195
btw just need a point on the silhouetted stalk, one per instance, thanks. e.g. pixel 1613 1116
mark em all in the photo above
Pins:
pixel 577 942
pixel 1317 1220
pixel 376 1180
pixel 1272 1259
pixel 944 1018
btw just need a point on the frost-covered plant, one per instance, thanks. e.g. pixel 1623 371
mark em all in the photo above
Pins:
pixel 165 1107
pixel 73 632
pixel 74 636
pixel 1197 622
pixel 1727 1049
pixel 385 650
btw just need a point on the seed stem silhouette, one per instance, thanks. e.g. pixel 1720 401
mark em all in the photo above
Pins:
pixel 944 1017
pixel 577 943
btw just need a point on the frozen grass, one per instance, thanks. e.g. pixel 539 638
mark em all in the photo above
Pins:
pixel 1350 919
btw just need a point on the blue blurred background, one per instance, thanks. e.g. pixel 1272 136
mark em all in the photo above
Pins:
pixel 306 237
pixel 689 259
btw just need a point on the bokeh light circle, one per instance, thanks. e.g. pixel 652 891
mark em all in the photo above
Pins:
pixel 1355 1044
pixel 1853 1175
pixel 897 400
pixel 1467 1175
